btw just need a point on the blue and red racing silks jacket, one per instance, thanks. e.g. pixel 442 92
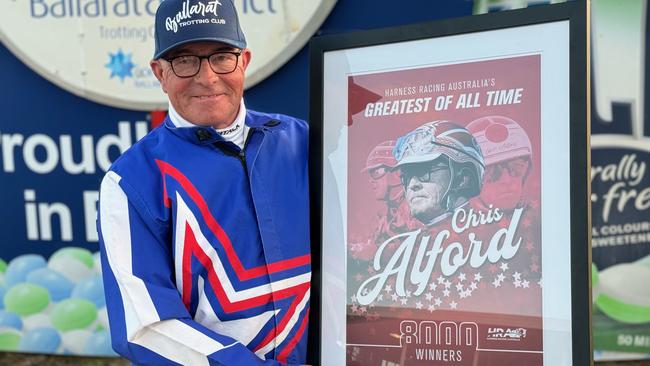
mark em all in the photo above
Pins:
pixel 205 247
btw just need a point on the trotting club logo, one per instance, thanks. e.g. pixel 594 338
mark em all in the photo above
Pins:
pixel 184 17
pixel 109 43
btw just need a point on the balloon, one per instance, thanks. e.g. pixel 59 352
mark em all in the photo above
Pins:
pixel 99 344
pixel 26 299
pixel 74 341
pixel 91 289
pixel 73 314
pixel 9 339
pixel 21 266
pixel 76 264
pixel 9 319
pixel 56 284
pixel 42 340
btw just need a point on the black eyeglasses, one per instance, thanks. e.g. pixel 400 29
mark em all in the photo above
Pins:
pixel 422 172
pixel 221 62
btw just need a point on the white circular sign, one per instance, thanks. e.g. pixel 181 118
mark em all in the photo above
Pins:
pixel 100 49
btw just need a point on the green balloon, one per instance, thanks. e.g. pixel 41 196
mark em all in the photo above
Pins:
pixel 82 255
pixel 26 299
pixel 3 266
pixel 9 340
pixel 73 314
pixel 594 275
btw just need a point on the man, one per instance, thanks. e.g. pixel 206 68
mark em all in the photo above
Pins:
pixel 507 152
pixel 204 222
pixel 387 188
pixel 394 216
pixel 441 168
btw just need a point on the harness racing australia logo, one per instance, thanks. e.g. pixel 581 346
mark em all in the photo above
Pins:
pixel 507 334
pixel 120 65
pixel 184 16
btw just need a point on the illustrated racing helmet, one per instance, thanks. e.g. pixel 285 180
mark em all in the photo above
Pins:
pixel 500 138
pixel 442 138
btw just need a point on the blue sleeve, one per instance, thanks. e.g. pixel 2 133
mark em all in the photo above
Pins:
pixel 149 323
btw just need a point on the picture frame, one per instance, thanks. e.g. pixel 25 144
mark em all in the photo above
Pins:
pixel 449 173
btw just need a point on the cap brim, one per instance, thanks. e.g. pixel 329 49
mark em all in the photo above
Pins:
pixel 418 159
pixel 229 42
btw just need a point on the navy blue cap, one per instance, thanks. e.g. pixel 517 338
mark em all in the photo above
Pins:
pixel 179 22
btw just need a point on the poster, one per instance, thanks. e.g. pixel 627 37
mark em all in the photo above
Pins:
pixel 444 239
pixel 449 209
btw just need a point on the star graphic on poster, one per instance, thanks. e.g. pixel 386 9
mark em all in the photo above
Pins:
pixel 534 267
pixel 459 287
pixel 408 294
pixel 447 284
pixel 445 293
pixel 358 277
pixel 540 283
pixel 428 296
pixel 379 298
pixel 404 301
pixel 120 65
pixel 370 270
pixel 478 277
pixel 353 298
pixel 418 305
pixel 501 277
pixel 433 286
pixel 462 294
pixel 517 283
pixel 431 308
pixel 394 297
pixel 534 203
pixel 461 277
pixel 496 283
pixel 504 267
pixel 473 286
pixel 437 301
pixel 441 280
pixel 362 309
pixel 525 284
pixel 388 288
pixel 453 305
pixel 516 276
pixel 354 308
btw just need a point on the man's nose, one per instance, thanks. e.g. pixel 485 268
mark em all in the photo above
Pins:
pixel 205 71
pixel 414 184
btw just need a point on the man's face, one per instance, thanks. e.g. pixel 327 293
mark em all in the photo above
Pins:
pixel 208 98
pixel 379 182
pixel 425 184
pixel 504 182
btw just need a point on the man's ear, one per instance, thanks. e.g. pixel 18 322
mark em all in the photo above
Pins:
pixel 159 73
pixel 246 56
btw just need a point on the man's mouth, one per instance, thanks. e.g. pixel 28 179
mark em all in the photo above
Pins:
pixel 207 96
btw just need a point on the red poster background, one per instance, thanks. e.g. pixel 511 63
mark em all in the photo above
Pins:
pixel 502 298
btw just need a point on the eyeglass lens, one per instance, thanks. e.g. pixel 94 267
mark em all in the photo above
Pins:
pixel 514 168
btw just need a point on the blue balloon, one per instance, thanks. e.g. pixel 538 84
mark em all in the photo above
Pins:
pixel 21 266
pixel 56 284
pixel 91 289
pixel 9 319
pixel 3 291
pixel 99 344
pixel 42 340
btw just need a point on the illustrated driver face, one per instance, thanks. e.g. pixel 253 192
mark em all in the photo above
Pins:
pixel 425 184
pixel 504 182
